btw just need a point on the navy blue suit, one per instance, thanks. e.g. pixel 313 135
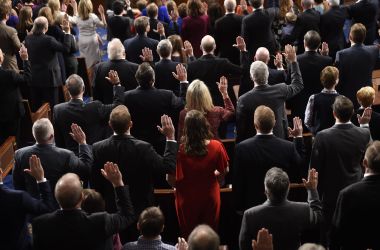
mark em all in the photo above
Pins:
pixel 133 47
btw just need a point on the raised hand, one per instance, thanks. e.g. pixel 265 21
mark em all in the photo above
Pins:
pixel 181 73
pixel 264 240
pixel 324 50
pixel 290 53
pixel 188 48
pixel 112 173
pixel 35 168
pixel 182 244
pixel 278 61
pixel 167 127
pixel 297 127
pixel 127 3
pixel 65 24
pixel 243 4
pixel 240 44
pixel 223 86
pixel 23 53
pixel 174 15
pixel 101 9
pixel 77 134
pixel 63 7
pixel 160 29
pixel 312 180
pixel 113 77
pixel 366 116
pixel 147 55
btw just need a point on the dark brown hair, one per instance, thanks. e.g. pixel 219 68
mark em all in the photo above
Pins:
pixel 151 222
pixel 92 202
pixel 195 8
pixel 358 33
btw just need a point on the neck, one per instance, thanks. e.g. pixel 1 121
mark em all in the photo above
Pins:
pixel 4 21
pixel 166 58
pixel 230 12
pixel 307 49
pixel 151 238
pixel 208 53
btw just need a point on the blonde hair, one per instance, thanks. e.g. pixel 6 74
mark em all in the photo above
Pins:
pixel 366 96
pixel 46 12
pixel 54 5
pixel 84 9
pixel 198 97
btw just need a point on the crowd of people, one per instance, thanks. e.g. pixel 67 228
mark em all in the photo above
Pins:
pixel 176 80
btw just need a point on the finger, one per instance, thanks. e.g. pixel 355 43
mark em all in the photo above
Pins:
pixel 26 170
pixel 175 75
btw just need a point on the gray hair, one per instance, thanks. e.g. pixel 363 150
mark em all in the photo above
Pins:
pixel 164 48
pixel 203 237
pixel 230 5
pixel 334 2
pixel 75 85
pixel 262 54
pixel 39 25
pixel 115 50
pixel 311 246
pixel 307 3
pixel 259 72
pixel 42 130
pixel 276 184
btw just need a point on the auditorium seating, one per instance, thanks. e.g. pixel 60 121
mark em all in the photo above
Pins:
pixel 66 95
pixel 7 153
pixel 376 85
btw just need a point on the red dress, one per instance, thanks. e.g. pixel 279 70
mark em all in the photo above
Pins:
pixel 197 195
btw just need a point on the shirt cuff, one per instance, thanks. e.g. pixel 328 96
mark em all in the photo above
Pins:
pixel 43 180
pixel 184 81
pixel 365 125
pixel 172 141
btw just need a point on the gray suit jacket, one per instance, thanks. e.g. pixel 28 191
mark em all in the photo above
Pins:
pixel 9 44
pixel 285 221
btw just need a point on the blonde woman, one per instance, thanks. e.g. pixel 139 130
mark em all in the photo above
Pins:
pixel 87 23
pixel 198 97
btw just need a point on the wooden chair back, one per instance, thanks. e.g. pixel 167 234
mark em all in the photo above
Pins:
pixel 7 155
pixel 376 86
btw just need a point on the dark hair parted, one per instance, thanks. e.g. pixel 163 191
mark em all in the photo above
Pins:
pixel 312 39
pixel 195 8
pixel 145 75
pixel 151 222
pixel 343 108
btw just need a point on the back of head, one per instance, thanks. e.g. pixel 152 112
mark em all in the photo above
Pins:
pixel 151 222
pixel 182 10
pixel 358 33
pixel 372 157
pixel 208 44
pixel 120 119
pixel 203 237
pixel 92 202
pixel 343 108
pixel 84 9
pixel 68 191
pixel 259 72
pixel 117 7
pixel 311 246
pixel 262 54
pixel 307 4
pixel 152 10
pixel 276 184
pixel 290 17
pixel 198 97
pixel 43 131
pixel 230 5
pixel 55 6
pixel 115 50
pixel 312 40
pixel 46 12
pixel 75 85
pixel 145 75
pixel 5 9
pixel 366 96
pixel 141 24
pixel 194 8
pixel 264 119
pixel 334 2
pixel 329 77
pixel 164 48
pixel 40 25
pixel 141 4
pixel 256 3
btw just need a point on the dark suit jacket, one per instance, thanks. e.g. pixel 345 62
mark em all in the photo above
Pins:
pixel 285 220
pixel 227 28
pixel 164 78
pixel 272 96
pixel 119 27
pixel 374 123
pixel 137 161
pixel 337 155
pixel 153 26
pixel 357 215
pixel 209 68
pixel 355 66
pixel 103 90
pixel 254 157
pixel 311 64
pixel 92 117
pixel 74 229
pixel 56 162
pixel 133 47
pixel 15 205
pixel 42 51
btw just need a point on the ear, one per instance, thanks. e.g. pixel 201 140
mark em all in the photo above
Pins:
pixel 365 163
pixel 130 125
pixel 138 226
pixel 334 115
pixel 162 229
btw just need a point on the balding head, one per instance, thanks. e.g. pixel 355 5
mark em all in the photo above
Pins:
pixel 230 5
pixel 115 50
pixel 68 191
pixel 164 48
pixel 40 25
pixel 208 44
pixel 307 4
pixel 262 54
pixel 203 238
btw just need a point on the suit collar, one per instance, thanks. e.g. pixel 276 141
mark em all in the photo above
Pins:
pixel 264 136
pixel 276 203
pixel 76 101
pixel 343 125
pixel 263 86
pixel 123 136
pixel 208 56
pixel 373 177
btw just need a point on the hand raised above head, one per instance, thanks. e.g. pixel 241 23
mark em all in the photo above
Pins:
pixel 77 134
pixel 188 48
pixel 240 44
pixel 297 128
pixel 167 127
pixel 146 55
pixel 160 29
pixel 290 53
pixel 324 50
pixel 23 53
pixel 35 168
pixel 312 180
pixel 112 173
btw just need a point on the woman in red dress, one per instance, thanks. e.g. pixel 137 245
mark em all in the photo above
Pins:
pixel 201 161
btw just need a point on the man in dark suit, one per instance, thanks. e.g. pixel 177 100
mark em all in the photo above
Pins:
pixel 137 159
pixel 256 28
pixel 356 215
pixel 119 26
pixel 356 64
pixel 71 228
pixel 16 205
pixel 308 20
pixel 103 90
pixel 263 94
pixel 11 107
pixel 209 68
pixel 155 24
pixel 311 64
pixel 256 155
pixel 134 46
pixel 92 117
pixel 285 219
pixel 331 27
pixel 337 153
pixel 227 28
pixel 44 60
pixel 57 161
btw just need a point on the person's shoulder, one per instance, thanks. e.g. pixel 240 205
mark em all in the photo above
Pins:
pixel 24 150
pixel 60 106
pixel 44 219
pixel 131 246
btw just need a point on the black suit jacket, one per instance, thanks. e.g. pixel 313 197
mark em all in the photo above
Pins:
pixel 356 215
pixel 15 206
pixel 164 78
pixel 133 47
pixel 153 26
pixel 56 162
pixel 92 117
pixel 103 90
pixel 119 27
pixel 227 28
pixel 307 20
pixel 337 155
pixel 254 157
pixel 209 68
pixel 74 229
pixel 311 64
pixel 374 123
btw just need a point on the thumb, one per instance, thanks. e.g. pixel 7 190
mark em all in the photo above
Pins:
pixel 175 75
pixel 27 170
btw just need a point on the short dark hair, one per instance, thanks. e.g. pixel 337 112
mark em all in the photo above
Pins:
pixel 120 119
pixel 5 9
pixel 151 222
pixel 256 3
pixel 276 184
pixel 329 76
pixel 194 8
pixel 372 155
pixel 152 10
pixel 141 23
pixel 358 33
pixel 264 119
pixel 145 75
pixel 203 237
pixel 343 108
pixel 92 202
pixel 75 85
pixel 117 7
pixel 312 39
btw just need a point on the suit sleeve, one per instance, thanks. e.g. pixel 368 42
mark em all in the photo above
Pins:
pixel 245 237
pixel 15 41
pixel 18 173
pixel 82 164
pixel 299 157
pixel 315 207
pixel 62 47
pixel 339 221
pixel 166 163
pixel 58 136
pixel 179 102
pixel 228 111
pixel 44 205
pixel 317 160
pixel 231 68
pixel 118 98
pixel 296 81
pixel 241 122
pixel 238 179
pixel 23 78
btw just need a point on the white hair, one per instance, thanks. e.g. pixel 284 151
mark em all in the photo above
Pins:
pixel 230 5
pixel 42 130
pixel 334 2
pixel 259 72
pixel 307 3
pixel 115 50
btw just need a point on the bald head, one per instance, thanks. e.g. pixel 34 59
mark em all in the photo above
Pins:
pixel 262 54
pixel 68 191
pixel 203 238
pixel 115 50
pixel 40 25
pixel 208 44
